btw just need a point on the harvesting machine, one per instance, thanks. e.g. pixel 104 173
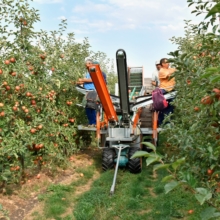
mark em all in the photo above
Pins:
pixel 118 120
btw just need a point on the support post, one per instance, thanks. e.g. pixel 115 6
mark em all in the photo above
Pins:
pixel 120 148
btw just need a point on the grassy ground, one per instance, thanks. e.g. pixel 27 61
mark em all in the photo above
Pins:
pixel 136 197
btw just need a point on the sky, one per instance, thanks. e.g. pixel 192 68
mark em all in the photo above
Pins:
pixel 140 27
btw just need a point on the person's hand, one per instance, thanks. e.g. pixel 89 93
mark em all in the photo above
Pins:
pixel 80 81
pixel 153 83
pixel 172 70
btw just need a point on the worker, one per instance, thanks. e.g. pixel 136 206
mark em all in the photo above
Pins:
pixel 87 81
pixel 155 79
pixel 167 83
pixel 89 85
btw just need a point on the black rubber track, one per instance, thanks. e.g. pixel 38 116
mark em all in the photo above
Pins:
pixel 134 165
pixel 108 156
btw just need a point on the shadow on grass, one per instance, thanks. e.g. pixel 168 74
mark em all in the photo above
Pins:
pixel 137 197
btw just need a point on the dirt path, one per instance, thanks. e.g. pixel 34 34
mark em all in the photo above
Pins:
pixel 24 201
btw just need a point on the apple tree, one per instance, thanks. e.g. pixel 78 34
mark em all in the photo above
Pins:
pixel 38 100
pixel 193 131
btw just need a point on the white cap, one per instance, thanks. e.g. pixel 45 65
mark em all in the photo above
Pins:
pixel 88 59
pixel 157 62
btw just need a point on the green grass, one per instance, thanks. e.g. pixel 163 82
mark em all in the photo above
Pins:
pixel 136 197
pixel 59 198
pixel 56 201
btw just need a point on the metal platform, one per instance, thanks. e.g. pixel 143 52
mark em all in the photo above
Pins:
pixel 115 99
pixel 149 130
pixel 85 128
pixel 132 138
pixel 143 130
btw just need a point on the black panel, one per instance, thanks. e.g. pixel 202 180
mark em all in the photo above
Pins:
pixel 123 82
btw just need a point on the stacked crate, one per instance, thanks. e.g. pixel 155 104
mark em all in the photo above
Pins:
pixel 146 115
pixel 135 78
pixel 146 118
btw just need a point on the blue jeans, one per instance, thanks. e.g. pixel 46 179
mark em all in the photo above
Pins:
pixel 166 111
pixel 91 115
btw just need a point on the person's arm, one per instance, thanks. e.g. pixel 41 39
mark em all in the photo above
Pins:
pixel 153 79
pixel 163 74
pixel 171 71
pixel 85 80
pixel 153 83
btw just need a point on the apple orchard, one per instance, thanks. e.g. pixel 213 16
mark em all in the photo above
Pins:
pixel 192 143
pixel 38 111
pixel 39 115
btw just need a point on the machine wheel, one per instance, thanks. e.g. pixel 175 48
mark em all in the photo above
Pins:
pixel 108 156
pixel 134 165
pixel 146 138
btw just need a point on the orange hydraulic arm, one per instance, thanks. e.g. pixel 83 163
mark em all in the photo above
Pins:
pixel 101 88
pixel 154 127
pixel 136 119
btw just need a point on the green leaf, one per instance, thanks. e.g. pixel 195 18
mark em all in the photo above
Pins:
pixel 4 178
pixel 167 178
pixel 210 150
pixel 214 28
pixel 207 74
pixel 202 191
pixel 160 166
pixel 176 53
pixel 205 4
pixel 150 145
pixel 214 10
pixel 183 56
pixel 194 11
pixel 200 198
pixel 210 71
pixel 150 160
pixel 209 213
pixel 170 186
pixel 203 195
pixel 140 154
pixel 215 79
pixel 177 163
